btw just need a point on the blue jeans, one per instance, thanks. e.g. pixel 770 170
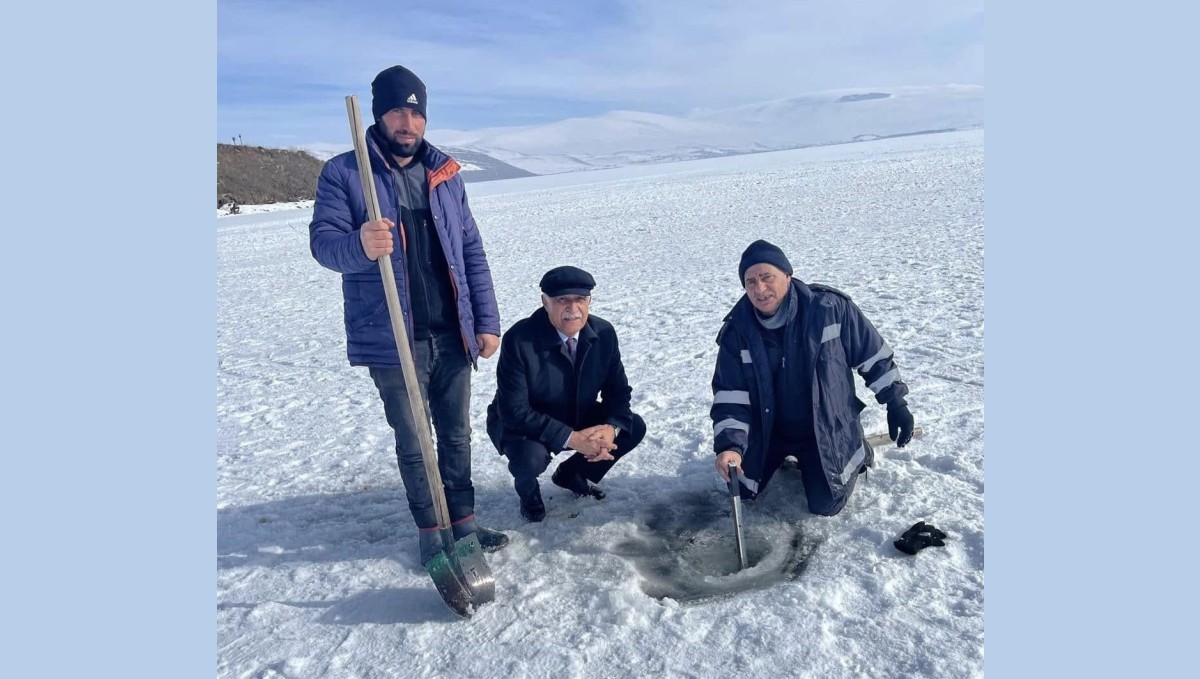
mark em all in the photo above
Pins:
pixel 444 375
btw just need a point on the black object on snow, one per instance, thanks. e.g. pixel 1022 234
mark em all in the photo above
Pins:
pixel 920 536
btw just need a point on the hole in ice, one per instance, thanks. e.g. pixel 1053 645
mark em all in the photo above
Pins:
pixel 685 550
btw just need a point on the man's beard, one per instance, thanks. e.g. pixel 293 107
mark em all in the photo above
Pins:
pixel 404 150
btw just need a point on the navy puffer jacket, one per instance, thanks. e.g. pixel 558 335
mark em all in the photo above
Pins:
pixel 341 209
pixel 842 340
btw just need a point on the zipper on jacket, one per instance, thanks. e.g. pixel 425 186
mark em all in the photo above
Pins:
pixel 412 341
pixel 450 272
pixel 417 238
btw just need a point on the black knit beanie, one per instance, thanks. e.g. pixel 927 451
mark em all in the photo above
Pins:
pixel 397 87
pixel 761 251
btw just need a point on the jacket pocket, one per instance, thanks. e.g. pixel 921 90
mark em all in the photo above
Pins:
pixel 364 309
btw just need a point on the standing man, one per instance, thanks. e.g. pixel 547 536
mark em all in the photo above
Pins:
pixel 783 384
pixel 445 289
pixel 553 366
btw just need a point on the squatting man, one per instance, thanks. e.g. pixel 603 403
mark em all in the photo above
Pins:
pixel 560 385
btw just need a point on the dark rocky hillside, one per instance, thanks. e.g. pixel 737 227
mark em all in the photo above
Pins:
pixel 256 175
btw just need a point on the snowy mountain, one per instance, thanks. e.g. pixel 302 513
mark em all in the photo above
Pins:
pixel 622 138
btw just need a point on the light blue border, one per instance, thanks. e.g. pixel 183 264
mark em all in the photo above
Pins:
pixel 1090 294
pixel 110 310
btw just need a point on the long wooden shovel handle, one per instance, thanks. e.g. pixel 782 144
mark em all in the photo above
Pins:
pixel 399 329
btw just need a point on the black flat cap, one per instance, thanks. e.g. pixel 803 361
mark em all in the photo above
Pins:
pixel 567 280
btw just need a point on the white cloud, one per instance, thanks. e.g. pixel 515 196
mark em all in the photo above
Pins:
pixel 663 56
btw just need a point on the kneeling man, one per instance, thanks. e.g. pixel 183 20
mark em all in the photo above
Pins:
pixel 784 383
pixel 553 366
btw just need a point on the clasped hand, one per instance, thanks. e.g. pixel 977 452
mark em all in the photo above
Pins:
pixel 594 443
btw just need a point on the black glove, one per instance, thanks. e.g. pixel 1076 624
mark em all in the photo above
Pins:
pixel 900 423
pixel 920 536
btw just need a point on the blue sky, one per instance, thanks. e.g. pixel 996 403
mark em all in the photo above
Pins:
pixel 285 67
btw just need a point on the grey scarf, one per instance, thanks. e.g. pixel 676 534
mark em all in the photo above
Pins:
pixel 785 313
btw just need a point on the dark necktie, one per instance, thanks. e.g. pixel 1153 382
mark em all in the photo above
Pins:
pixel 571 342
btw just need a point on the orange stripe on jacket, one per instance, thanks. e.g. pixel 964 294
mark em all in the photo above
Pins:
pixel 443 174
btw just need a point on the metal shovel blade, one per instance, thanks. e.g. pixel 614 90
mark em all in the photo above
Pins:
pixel 476 572
pixel 462 576
pixel 449 583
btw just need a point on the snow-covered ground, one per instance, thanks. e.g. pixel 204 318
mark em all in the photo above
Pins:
pixel 317 572
pixel 223 211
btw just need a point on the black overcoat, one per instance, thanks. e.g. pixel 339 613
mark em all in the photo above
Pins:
pixel 541 396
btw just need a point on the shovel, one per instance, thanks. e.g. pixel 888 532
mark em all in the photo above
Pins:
pixel 459 570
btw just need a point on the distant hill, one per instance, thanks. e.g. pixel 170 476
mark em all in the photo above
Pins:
pixel 256 175
pixel 480 167
pixel 476 166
